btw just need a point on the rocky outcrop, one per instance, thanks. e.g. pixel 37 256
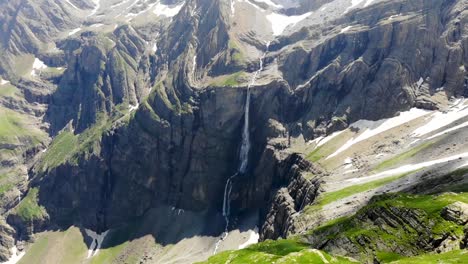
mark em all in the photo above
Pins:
pixel 388 226
pixel 7 240
pixel 104 73
pixel 288 201
pixel 456 212
pixel 368 71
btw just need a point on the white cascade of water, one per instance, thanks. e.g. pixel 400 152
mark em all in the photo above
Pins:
pixel 244 152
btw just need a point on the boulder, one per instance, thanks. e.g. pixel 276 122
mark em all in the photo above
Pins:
pixel 456 212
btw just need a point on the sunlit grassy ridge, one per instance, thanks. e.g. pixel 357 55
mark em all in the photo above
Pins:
pixel 67 247
pixel 280 251
pixel 29 209
pixel 330 197
pixel 425 209
pixel 14 125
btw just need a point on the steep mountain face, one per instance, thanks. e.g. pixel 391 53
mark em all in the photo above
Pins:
pixel 140 107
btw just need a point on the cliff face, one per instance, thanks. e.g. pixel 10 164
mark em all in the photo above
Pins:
pixel 390 57
pixel 151 114
pixel 181 145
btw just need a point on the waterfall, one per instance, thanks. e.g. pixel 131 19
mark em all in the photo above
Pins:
pixel 244 152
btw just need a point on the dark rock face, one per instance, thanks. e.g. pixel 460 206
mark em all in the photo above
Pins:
pixel 182 143
pixel 372 69
pixel 6 240
pixel 288 201
pixel 28 25
pixel 103 73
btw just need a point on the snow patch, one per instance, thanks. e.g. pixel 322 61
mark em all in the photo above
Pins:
pixel 368 2
pixel 74 31
pixel 270 3
pixel 420 81
pixel 441 119
pixel 348 163
pixel 166 10
pixel 354 3
pixel 254 236
pixel 449 130
pixel 133 107
pixel 97 5
pixel 280 22
pixel 346 29
pixel 373 128
pixel 37 66
pixel 194 65
pixel 97 241
pixel 71 4
pixel 393 16
pixel 233 7
pixel 327 139
pixel 407 168
pixel 15 257
pixel 3 82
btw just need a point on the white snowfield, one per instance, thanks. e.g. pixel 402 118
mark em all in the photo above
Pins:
pixel 37 66
pixel 323 140
pixel 270 3
pixel 439 120
pixel 74 31
pixel 166 10
pixel 373 128
pixel 356 3
pixel 254 236
pixel 133 107
pixel 346 29
pixel 280 22
pixel 71 4
pixel 3 81
pixel 97 241
pixel 15 257
pixel 97 5
pixel 407 168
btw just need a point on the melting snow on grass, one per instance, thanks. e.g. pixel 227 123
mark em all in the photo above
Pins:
pixel 441 119
pixel 15 257
pixel 408 168
pixel 37 66
pixel 280 22
pixel 373 128
pixel 254 236
pixel 166 10
pixel 320 141
pixel 97 241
